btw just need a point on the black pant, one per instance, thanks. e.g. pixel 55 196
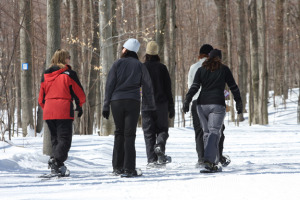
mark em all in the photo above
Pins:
pixel 156 130
pixel 126 114
pixel 199 134
pixel 61 138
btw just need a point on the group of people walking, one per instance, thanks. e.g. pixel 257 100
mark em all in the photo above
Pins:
pixel 132 88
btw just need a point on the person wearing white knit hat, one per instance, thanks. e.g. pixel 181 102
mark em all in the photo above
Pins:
pixel 132 45
pixel 122 94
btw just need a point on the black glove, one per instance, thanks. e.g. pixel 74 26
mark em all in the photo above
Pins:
pixel 186 106
pixel 171 111
pixel 239 106
pixel 79 109
pixel 105 114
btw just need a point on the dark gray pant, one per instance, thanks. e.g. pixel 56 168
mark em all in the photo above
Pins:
pixel 211 118
pixel 126 114
pixel 198 132
pixel 155 131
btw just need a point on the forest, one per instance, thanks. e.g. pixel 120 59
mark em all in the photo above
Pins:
pixel 260 42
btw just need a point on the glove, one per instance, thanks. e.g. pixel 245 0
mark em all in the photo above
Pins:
pixel 80 112
pixel 186 106
pixel 105 114
pixel 171 111
pixel 239 106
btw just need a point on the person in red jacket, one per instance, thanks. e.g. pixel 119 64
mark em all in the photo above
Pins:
pixel 59 87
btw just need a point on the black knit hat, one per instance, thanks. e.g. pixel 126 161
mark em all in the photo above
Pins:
pixel 205 49
pixel 215 53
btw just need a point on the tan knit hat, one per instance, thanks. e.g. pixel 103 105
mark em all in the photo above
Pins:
pixel 152 48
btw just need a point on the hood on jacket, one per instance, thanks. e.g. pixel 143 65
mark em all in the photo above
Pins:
pixel 53 72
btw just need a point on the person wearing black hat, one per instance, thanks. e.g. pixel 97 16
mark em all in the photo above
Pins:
pixel 212 77
pixel 203 55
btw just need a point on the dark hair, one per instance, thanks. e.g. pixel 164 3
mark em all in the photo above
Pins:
pixel 128 53
pixel 152 58
pixel 212 64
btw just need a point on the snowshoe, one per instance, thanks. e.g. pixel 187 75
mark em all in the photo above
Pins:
pixel 225 160
pixel 211 168
pixel 132 173
pixel 117 172
pixel 58 169
pixel 161 157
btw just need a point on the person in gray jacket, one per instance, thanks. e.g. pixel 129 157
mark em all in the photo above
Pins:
pixel 122 92
pixel 212 76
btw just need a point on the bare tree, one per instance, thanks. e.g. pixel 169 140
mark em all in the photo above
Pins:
pixel 262 64
pixel 172 51
pixel 107 59
pixel 93 72
pixel 278 79
pixel 53 43
pixel 242 56
pixel 160 23
pixel 26 57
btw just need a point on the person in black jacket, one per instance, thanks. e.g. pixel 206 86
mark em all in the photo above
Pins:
pixel 212 76
pixel 122 91
pixel 155 125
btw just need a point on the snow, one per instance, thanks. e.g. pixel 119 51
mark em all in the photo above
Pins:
pixel 265 165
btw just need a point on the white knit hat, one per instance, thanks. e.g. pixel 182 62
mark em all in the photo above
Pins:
pixel 132 45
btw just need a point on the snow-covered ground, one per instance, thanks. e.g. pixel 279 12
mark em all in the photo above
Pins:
pixel 265 165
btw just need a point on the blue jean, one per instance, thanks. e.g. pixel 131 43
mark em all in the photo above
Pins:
pixel 211 117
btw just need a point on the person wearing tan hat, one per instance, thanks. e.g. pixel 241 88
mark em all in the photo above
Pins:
pixel 155 123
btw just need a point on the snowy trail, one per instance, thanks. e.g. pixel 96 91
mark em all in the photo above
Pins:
pixel 265 164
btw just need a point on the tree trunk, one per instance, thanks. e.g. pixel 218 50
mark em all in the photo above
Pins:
pixel 160 23
pixel 74 49
pixel 53 43
pixel 242 56
pixel 106 55
pixel 172 51
pixel 278 79
pixel 93 72
pixel 262 64
pixel 138 18
pixel 254 60
pixel 221 30
pixel 85 29
pixel 26 57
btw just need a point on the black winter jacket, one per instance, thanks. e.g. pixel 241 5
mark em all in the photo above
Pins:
pixel 161 82
pixel 124 80
pixel 213 85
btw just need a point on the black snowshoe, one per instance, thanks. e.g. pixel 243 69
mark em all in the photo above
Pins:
pixel 161 157
pixel 211 168
pixel 132 173
pixel 225 160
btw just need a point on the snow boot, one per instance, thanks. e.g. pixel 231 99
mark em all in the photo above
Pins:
pixel 58 168
pixel 117 172
pixel 131 173
pixel 225 160
pixel 211 168
pixel 161 157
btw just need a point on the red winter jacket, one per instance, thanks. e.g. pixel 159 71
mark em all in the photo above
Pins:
pixel 59 87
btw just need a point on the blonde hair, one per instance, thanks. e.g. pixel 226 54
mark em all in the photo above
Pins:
pixel 59 58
